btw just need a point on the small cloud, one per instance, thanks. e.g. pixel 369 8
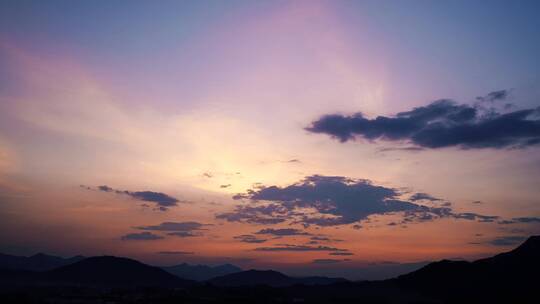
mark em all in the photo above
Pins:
pixel 294 161
pixel 207 175
pixel 162 200
pixel 341 253
pixel 175 226
pixel 477 202
pixel 287 247
pixel 507 240
pixel 320 238
pixel 329 261
pixel 225 186
pixel 248 238
pixel 282 232
pixel 178 229
pixel 175 252
pixel 406 149
pixel 494 96
pixel 142 236
pixel 105 188
pixel 420 196
pixel 527 219
pixel 184 234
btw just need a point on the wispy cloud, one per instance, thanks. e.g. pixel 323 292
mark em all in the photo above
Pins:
pixel 282 232
pixel 142 236
pixel 289 247
pixel 248 238
pixel 178 229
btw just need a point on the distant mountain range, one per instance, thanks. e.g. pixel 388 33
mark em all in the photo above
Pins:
pixel 37 262
pixel 201 272
pixel 268 278
pixel 510 277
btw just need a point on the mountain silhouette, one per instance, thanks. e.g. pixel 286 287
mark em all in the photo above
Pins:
pixel 114 271
pixel 268 278
pixel 37 262
pixel 510 277
pixel 512 274
pixel 201 272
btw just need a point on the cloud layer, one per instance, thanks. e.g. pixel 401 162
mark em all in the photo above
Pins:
pixel 443 123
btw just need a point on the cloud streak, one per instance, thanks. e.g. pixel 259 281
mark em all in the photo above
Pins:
pixel 161 200
pixel 142 236
pixel 248 238
pixel 178 229
pixel 289 247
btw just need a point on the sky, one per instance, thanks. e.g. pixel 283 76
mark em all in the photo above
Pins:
pixel 311 137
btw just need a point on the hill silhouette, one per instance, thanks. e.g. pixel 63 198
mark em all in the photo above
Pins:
pixel 114 271
pixel 201 272
pixel 510 274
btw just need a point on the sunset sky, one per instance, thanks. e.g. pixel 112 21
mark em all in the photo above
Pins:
pixel 303 136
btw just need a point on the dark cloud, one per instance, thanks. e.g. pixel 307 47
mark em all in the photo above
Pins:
pixel 161 200
pixel 175 252
pixel 332 200
pixel 516 220
pixel 105 188
pixel 288 247
pixel 477 202
pixel 494 96
pixel 225 186
pixel 423 196
pixel 184 234
pixel 474 216
pixel 282 232
pixel 265 214
pixel 329 261
pixel 341 253
pixel 178 229
pixel 320 238
pixel 294 161
pixel 142 236
pixel 248 238
pixel 406 149
pixel 507 240
pixel 440 124
pixel 175 226
pixel 527 219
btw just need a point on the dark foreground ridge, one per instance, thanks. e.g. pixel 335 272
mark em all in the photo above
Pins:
pixel 510 277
